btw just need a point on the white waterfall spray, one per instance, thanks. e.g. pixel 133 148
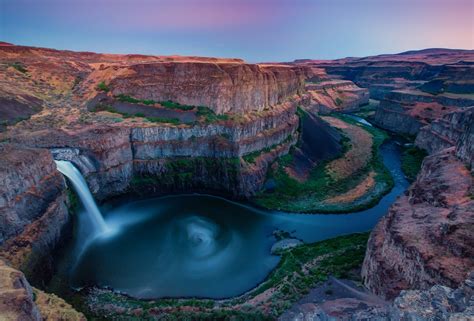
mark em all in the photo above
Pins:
pixel 80 185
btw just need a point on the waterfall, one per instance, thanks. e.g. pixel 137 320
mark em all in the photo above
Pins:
pixel 80 185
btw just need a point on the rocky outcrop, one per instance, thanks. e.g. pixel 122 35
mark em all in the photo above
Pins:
pixel 52 307
pixel 16 296
pixel 437 303
pixel 427 236
pixel 453 129
pixel 19 301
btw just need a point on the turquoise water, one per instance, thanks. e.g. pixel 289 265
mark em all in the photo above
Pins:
pixel 200 245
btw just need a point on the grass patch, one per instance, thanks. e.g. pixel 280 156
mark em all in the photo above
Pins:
pixel 173 105
pixel 205 114
pixel 167 104
pixel 308 196
pixel 103 87
pixel 412 158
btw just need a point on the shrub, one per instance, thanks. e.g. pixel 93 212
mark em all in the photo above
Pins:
pixel 19 66
pixel 103 87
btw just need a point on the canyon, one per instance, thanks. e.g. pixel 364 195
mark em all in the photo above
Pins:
pixel 414 88
pixel 276 135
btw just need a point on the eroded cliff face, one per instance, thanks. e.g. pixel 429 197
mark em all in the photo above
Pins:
pixel 223 87
pixel 427 236
pixel 110 156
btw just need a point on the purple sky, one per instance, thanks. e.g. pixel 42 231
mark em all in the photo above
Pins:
pixel 256 30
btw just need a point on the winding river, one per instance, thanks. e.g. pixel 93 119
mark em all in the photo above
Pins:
pixel 200 245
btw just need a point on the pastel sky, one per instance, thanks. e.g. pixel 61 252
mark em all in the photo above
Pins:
pixel 256 30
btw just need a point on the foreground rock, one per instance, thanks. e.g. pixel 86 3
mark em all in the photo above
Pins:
pixel 16 296
pixel 19 301
pixel 427 237
pixel 436 303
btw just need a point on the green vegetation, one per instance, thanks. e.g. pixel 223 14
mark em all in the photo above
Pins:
pixel 412 158
pixel 167 104
pixel 172 105
pixel 20 67
pixel 300 269
pixel 203 113
pixel 103 87
pixel 209 116
pixel 73 200
pixel 101 107
pixel 185 173
pixel 308 196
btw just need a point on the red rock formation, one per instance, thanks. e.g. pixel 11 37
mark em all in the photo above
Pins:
pixel 427 237
pixel 223 87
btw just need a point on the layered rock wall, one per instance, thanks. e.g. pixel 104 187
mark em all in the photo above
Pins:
pixel 110 156
pixel 223 87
